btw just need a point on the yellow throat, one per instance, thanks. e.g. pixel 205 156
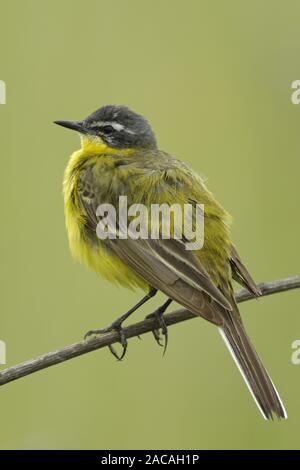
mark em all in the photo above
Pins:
pixel 92 146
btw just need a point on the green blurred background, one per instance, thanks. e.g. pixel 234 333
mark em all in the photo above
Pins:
pixel 214 79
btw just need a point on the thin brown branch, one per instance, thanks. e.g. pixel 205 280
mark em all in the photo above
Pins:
pixel 140 328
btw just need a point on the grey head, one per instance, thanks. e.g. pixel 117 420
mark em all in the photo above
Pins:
pixel 117 126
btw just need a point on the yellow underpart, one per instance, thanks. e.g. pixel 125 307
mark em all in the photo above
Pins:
pixel 94 257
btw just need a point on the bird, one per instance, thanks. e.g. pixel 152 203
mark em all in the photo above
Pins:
pixel 119 156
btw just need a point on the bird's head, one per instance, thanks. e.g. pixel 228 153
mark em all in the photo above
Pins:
pixel 115 127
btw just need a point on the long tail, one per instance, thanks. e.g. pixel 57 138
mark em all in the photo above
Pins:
pixel 252 369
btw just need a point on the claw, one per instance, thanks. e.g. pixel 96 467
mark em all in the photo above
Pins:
pixel 157 337
pixel 164 330
pixel 158 315
pixel 116 326
pixel 114 352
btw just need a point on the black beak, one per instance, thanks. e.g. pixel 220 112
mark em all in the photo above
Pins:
pixel 74 125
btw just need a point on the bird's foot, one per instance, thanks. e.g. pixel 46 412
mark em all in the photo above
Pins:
pixel 114 326
pixel 158 316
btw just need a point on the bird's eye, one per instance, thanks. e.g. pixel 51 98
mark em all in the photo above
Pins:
pixel 107 130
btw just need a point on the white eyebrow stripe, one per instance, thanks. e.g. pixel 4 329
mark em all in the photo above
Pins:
pixel 116 125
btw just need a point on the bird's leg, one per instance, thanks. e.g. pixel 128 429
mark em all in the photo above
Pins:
pixel 116 325
pixel 158 315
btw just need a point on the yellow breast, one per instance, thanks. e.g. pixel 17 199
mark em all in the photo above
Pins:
pixel 95 256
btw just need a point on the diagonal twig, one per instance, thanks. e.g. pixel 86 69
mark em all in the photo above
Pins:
pixel 136 329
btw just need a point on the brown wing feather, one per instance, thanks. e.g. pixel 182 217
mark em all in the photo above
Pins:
pixel 167 266
pixel 241 274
